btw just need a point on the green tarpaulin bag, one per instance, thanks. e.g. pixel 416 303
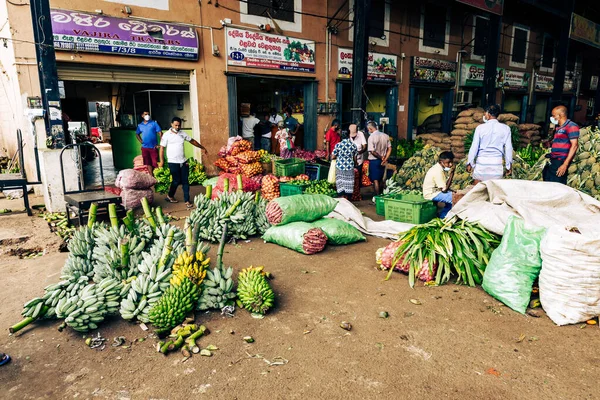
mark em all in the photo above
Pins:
pixel 304 207
pixel 514 265
pixel 300 236
pixel 338 231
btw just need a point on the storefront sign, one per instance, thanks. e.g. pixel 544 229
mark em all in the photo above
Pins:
pixel 381 67
pixel 472 75
pixel 594 82
pixel 262 50
pixel 515 80
pixel 570 82
pixel 544 83
pixel 76 31
pixel 429 70
pixel 585 31
pixel 493 6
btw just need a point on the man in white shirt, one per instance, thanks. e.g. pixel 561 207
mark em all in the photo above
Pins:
pixel 436 185
pixel 173 141
pixel 275 118
pixel 248 124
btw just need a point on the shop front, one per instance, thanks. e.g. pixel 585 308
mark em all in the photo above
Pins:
pixel 541 100
pixel 431 96
pixel 103 102
pixel 381 90
pixel 515 96
pixel 471 84
pixel 258 93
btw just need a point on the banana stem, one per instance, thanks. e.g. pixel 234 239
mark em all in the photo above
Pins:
pixel 257 196
pixel 128 221
pixel 226 185
pixel 191 340
pixel 160 216
pixel 167 249
pixel 195 234
pixel 125 252
pixel 177 343
pixel 208 194
pixel 92 214
pixel 148 213
pixel 231 209
pixel 221 248
pixel 165 347
pixel 112 213
pixel 240 183
pixel 17 327
pixel 189 239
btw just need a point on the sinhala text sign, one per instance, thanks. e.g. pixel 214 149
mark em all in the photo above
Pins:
pixel 261 50
pixel 381 67
pixel 431 70
pixel 472 75
pixel 100 34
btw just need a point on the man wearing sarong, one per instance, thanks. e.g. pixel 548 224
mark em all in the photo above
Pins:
pixel 491 146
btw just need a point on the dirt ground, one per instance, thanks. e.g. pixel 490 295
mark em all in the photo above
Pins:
pixel 459 343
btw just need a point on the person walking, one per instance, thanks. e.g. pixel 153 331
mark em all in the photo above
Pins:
pixel 436 185
pixel 332 137
pixel 492 144
pixel 286 145
pixel 564 146
pixel 380 149
pixel 344 155
pixel 173 141
pixel 146 134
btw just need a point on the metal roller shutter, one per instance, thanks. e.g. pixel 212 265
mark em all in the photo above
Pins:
pixel 105 73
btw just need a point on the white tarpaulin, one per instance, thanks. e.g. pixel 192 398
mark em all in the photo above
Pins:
pixel 539 203
pixel 346 211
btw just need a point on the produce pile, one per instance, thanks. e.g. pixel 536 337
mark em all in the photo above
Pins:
pixel 584 171
pixel 135 186
pixel 310 156
pixel 531 154
pixel 244 212
pixel 163 176
pixel 146 270
pixel 59 224
pixel 440 249
pixel 441 140
pixel 431 124
pixel 406 148
pixel 240 159
pixel 248 184
pixel 464 126
pixel 322 186
pixel 530 134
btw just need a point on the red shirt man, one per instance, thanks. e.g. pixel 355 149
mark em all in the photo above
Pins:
pixel 332 137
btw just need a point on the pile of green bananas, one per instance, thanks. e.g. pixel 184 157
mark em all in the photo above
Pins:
pixel 531 154
pixel 81 248
pixel 406 148
pixel 45 307
pixel 321 186
pixel 59 224
pixel 85 310
pixel 254 292
pixel 217 289
pixel 197 175
pixel 171 309
pixel 163 178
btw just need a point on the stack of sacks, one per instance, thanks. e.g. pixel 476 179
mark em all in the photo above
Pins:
pixel 530 134
pixel 466 123
pixel 138 165
pixel 508 119
pixel 432 124
pixel 436 139
pixel 134 186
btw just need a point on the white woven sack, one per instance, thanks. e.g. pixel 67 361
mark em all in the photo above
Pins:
pixel 570 276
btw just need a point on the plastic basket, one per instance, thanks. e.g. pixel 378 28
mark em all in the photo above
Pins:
pixel 289 167
pixel 316 172
pixel 379 205
pixel 410 208
pixel 287 189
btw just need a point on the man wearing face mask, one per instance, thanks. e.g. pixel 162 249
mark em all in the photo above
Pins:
pixel 173 141
pixel 437 182
pixel 564 146
pixel 146 134
pixel 492 143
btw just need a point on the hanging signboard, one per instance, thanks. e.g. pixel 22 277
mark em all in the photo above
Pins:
pixel 515 80
pixel 472 75
pixel 594 82
pixel 544 83
pixel 429 70
pixel 570 82
pixel 493 6
pixel 77 31
pixel 261 50
pixel 585 31
pixel 381 67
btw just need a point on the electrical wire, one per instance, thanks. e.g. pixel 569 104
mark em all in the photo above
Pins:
pixel 16 4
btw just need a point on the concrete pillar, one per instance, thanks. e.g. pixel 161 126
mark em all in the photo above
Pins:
pixel 51 177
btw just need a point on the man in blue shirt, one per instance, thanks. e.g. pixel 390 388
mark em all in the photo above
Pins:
pixel 146 135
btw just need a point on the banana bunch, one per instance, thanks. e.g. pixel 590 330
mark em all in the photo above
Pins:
pixel 152 280
pixel 117 252
pixel 162 231
pixel 82 242
pixel 174 305
pixel 86 309
pixel 217 291
pixel 260 216
pixel 254 291
pixel 53 294
pixel 242 220
pixel 191 267
pixel 75 266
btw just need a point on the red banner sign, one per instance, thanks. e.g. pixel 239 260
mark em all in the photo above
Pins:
pixel 493 6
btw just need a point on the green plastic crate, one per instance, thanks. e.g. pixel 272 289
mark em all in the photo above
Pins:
pixel 289 167
pixel 379 205
pixel 316 172
pixel 287 189
pixel 410 208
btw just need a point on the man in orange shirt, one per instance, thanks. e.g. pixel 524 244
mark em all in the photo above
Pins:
pixel 332 137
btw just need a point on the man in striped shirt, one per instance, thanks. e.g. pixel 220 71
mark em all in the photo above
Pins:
pixel 564 146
